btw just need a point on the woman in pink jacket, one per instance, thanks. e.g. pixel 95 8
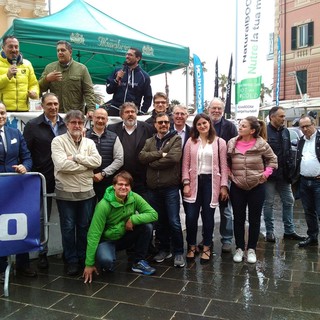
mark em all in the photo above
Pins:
pixel 205 181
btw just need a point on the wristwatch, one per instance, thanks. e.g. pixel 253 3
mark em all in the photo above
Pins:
pixel 103 173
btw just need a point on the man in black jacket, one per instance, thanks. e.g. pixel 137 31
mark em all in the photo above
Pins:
pixel 129 83
pixel 308 163
pixel 279 181
pixel 110 149
pixel 133 135
pixel 38 134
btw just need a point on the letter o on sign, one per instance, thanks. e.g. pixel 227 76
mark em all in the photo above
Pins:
pixel 20 220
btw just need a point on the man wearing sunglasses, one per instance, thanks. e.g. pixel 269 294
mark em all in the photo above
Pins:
pixel 162 155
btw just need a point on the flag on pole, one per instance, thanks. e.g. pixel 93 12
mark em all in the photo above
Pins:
pixel 216 81
pixel 198 78
pixel 227 109
pixel 278 72
pixel 251 20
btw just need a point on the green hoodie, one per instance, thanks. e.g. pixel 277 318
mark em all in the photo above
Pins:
pixel 110 217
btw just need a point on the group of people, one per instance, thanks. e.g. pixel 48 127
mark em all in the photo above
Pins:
pixel 119 186
pixel 66 86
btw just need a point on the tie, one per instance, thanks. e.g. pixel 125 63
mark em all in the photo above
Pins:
pixel 2 149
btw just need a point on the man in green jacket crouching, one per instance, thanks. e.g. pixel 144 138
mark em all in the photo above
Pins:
pixel 121 219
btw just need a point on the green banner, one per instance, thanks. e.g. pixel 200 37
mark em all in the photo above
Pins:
pixel 248 89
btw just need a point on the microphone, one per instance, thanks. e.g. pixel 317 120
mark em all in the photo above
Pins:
pixel 14 63
pixel 124 68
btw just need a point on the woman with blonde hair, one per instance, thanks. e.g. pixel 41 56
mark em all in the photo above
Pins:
pixel 251 161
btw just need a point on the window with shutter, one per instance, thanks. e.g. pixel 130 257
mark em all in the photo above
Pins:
pixel 302 36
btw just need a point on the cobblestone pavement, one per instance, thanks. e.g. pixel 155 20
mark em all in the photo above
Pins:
pixel 283 284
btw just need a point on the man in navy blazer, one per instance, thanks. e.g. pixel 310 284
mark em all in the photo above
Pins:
pixel 133 135
pixel 14 157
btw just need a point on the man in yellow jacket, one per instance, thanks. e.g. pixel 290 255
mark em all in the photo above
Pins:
pixel 18 81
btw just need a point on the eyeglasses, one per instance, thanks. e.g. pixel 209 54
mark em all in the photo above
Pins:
pixel 307 126
pixel 77 123
pixel 180 114
pixel 126 185
pixel 160 102
pixel 163 122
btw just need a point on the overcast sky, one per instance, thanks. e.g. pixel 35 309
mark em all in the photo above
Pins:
pixel 207 27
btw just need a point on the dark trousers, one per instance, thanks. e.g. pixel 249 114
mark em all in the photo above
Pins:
pixel 310 199
pixel 22 261
pixel 240 200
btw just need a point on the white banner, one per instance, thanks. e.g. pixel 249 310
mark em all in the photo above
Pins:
pixel 250 56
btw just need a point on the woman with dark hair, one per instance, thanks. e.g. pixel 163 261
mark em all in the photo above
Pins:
pixel 205 180
pixel 251 161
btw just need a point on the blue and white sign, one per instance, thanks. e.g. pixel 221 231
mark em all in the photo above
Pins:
pixel 19 213
pixel 198 78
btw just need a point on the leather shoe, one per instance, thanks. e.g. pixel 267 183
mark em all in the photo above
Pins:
pixel 43 261
pixel 270 237
pixel 26 272
pixel 73 269
pixel 226 248
pixel 293 236
pixel 308 242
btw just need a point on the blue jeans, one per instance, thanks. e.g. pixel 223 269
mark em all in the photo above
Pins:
pixel 283 188
pixel 202 202
pixel 240 199
pixel 226 223
pixel 75 218
pixel 166 201
pixel 140 237
pixel 310 198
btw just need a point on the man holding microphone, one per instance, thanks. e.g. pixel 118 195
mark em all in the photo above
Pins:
pixel 16 73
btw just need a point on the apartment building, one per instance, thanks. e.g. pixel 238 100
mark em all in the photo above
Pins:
pixel 297 24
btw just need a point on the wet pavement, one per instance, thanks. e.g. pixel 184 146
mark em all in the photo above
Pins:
pixel 283 284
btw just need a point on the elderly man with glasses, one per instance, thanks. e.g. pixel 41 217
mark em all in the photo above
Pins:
pixel 74 157
pixel 308 162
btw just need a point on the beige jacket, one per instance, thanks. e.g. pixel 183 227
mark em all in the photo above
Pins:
pixel 74 175
pixel 247 169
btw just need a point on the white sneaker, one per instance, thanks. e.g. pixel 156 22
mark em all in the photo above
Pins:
pixel 238 256
pixel 251 256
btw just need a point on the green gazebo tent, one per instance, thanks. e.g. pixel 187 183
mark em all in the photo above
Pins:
pixel 99 41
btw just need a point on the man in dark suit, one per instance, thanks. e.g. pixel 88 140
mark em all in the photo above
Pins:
pixel 133 135
pixel 39 133
pixel 14 157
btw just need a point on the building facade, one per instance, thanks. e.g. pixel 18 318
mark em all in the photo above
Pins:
pixel 297 24
pixel 11 9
